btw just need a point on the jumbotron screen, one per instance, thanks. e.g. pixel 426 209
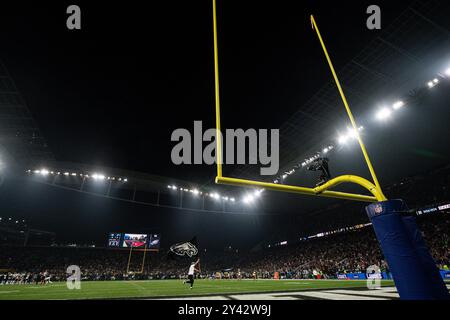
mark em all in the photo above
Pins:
pixel 154 241
pixel 134 240
pixel 114 239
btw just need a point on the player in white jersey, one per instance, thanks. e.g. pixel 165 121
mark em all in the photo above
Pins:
pixel 191 273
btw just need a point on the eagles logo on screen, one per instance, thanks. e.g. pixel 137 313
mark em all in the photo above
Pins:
pixel 184 249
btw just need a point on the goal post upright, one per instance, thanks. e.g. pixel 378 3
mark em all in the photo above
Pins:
pixel 217 94
pixel 414 270
pixel 349 112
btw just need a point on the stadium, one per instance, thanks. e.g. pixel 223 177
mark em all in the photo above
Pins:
pixel 99 199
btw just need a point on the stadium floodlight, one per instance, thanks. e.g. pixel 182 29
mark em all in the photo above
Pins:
pixel 214 196
pixel 44 172
pixel 432 83
pixel 248 199
pixel 325 150
pixel 352 133
pixel 125 180
pixel 398 105
pixel 342 139
pixel 383 114
pixel 447 72
pixel 97 176
pixel 195 191
pixel 66 173
pixel 232 199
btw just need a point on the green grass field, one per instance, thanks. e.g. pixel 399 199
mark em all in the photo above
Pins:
pixel 168 288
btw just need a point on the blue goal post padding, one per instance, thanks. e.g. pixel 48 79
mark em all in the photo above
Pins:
pixel 415 273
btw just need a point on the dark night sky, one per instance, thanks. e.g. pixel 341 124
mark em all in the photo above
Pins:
pixel 112 93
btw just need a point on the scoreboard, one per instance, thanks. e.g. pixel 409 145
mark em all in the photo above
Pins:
pixel 134 240
pixel 114 239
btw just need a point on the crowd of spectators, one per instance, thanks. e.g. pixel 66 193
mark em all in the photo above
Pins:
pixel 324 257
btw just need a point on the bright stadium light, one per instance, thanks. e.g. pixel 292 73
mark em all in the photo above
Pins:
pixel 352 133
pixel 398 105
pixel 66 173
pixel 97 176
pixel 432 83
pixel 325 150
pixel 44 172
pixel 248 199
pixel 195 191
pixel 342 139
pixel 447 72
pixel 383 114
pixel 214 196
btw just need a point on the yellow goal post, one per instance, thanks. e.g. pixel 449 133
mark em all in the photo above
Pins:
pixel 323 190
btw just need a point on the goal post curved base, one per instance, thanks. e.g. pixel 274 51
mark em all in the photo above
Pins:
pixel 321 191
pixel 415 273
